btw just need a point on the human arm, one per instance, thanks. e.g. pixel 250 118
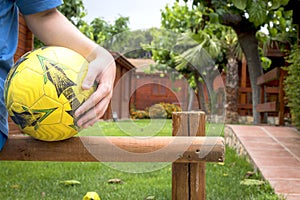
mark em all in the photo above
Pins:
pixel 52 28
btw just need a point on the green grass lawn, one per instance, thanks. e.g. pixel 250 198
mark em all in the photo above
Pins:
pixel 46 180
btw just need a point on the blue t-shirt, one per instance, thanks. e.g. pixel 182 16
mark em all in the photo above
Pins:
pixel 9 10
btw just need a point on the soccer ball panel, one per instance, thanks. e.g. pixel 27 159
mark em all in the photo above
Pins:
pixel 76 63
pixel 53 132
pixel 49 108
pixel 26 94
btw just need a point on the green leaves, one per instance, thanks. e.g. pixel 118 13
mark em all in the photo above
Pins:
pixel 275 4
pixel 250 182
pixel 265 62
pixel 258 12
pixel 240 4
pixel 292 85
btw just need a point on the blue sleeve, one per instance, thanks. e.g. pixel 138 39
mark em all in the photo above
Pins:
pixel 34 6
pixel 3 139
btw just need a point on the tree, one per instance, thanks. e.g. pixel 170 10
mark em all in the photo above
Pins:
pixel 246 18
pixel 197 53
pixel 74 10
pixel 117 36
pixel 98 30
pixel 233 54
pixel 197 60
pixel 175 46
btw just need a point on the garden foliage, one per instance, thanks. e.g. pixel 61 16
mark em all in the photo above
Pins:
pixel 292 87
pixel 159 110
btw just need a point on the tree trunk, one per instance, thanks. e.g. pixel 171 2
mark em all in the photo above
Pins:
pixel 191 98
pixel 200 95
pixel 232 80
pixel 249 44
pixel 246 32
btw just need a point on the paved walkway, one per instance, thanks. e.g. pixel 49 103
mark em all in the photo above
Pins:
pixel 275 151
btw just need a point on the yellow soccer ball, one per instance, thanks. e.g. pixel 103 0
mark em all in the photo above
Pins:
pixel 43 90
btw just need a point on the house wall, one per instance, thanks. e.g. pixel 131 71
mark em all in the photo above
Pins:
pixel 121 95
pixel 149 89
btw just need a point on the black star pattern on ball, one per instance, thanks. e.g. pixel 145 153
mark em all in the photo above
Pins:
pixel 63 85
pixel 27 118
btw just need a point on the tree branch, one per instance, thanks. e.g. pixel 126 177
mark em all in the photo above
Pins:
pixel 231 19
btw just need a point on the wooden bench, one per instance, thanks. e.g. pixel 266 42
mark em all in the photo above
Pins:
pixel 188 150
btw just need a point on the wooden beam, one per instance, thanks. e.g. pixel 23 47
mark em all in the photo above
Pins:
pixel 272 90
pixel 267 107
pixel 245 106
pixel 245 90
pixel 115 149
pixel 269 76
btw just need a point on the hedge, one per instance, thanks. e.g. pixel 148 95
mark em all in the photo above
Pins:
pixel 292 86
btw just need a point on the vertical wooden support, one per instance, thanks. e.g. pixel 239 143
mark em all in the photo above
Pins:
pixel 263 117
pixel 243 95
pixel 188 179
pixel 281 112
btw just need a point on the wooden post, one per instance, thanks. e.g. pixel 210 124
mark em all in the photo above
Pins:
pixel 188 179
pixel 243 85
pixel 281 112
pixel 263 116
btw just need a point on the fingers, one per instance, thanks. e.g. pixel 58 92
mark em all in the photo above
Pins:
pixel 102 69
pixel 93 115
pixel 95 106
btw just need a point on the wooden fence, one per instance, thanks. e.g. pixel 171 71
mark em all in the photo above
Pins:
pixel 188 150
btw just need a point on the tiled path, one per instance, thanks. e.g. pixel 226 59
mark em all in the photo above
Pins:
pixel 276 153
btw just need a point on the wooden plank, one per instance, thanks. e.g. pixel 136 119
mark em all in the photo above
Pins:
pixel 272 90
pixel 188 180
pixel 269 76
pixel 267 107
pixel 245 106
pixel 115 149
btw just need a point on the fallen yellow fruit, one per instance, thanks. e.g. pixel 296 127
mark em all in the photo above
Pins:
pixel 91 196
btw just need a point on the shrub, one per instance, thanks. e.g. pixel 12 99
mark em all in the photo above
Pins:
pixel 139 114
pixel 170 108
pixel 157 111
pixel 160 110
pixel 292 86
